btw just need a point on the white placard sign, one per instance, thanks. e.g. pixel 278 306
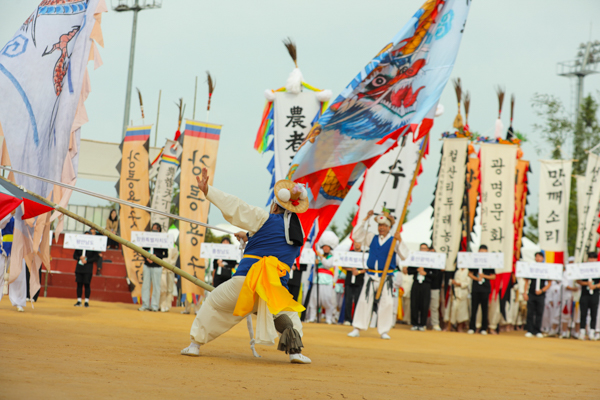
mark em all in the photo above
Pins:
pixel 480 260
pixel 85 242
pixel 350 259
pixel 219 251
pixel 583 271
pixel 426 259
pixel 155 240
pixel 307 257
pixel 532 270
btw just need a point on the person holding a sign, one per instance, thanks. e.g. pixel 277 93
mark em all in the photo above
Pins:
pixel 83 272
pixel 379 248
pixel 480 294
pixel 324 294
pixel 590 294
pixel 152 276
pixel 223 269
pixel 259 284
pixel 420 294
pixel 352 287
pixel 535 295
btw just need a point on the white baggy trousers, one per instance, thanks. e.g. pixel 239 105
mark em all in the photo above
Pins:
pixel 215 317
pixel 364 307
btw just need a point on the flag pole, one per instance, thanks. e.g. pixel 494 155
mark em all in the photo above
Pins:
pixel 402 216
pixel 157 115
pixel 118 239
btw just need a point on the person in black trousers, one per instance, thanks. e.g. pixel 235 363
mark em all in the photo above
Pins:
pixel 480 295
pixel 590 294
pixel 420 294
pixel 83 272
pixel 355 278
pixel 223 269
pixel 296 280
pixel 535 296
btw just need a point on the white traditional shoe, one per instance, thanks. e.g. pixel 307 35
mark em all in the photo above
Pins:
pixel 385 336
pixel 483 333
pixel 422 329
pixel 470 331
pixel 20 309
pixel 143 309
pixel 299 359
pixel 347 323
pixel 539 336
pixel 529 334
pixel 414 328
pixel 354 333
pixel 437 328
pixel 193 350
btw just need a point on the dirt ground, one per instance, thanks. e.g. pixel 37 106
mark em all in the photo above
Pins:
pixel 113 351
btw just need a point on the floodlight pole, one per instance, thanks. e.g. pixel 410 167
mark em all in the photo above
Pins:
pixel 136 8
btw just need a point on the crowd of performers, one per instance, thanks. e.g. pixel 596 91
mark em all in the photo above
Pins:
pixel 268 282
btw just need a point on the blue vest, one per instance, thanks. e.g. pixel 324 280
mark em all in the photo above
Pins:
pixel 269 241
pixel 379 253
pixel 7 236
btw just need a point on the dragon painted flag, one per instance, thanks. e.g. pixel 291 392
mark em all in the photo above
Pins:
pixel 44 83
pixel 396 93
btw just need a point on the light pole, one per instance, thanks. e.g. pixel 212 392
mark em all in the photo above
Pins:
pixel 584 64
pixel 135 6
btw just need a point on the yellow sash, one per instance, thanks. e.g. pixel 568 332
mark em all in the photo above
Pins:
pixel 263 280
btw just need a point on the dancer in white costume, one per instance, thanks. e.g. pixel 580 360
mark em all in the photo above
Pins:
pixel 379 247
pixel 324 281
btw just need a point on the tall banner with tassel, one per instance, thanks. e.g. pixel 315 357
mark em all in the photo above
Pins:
pixel 521 192
pixel 498 166
pixel 591 193
pixel 472 182
pixel 163 188
pixel 200 146
pixel 133 186
pixel 555 189
pixel 448 203
pixel 289 115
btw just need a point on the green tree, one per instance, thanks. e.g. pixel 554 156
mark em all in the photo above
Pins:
pixel 556 127
pixel 586 134
pixel 334 228
pixel 348 227
pixel 531 231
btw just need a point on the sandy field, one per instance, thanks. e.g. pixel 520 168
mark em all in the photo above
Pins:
pixel 110 350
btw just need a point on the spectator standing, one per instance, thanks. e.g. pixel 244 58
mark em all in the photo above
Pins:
pixel 151 277
pixel 83 272
pixel 112 225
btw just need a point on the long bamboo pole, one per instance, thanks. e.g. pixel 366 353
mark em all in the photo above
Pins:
pixel 399 228
pixel 119 239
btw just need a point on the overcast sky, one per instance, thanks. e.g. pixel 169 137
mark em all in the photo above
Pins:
pixel 514 43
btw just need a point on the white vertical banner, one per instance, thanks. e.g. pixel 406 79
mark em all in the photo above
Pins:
pixel 555 189
pixel 449 196
pixel 163 188
pixel 589 206
pixel 387 182
pixel 292 118
pixel 498 166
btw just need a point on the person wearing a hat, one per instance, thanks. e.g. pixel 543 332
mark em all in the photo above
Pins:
pixel 259 284
pixel 323 293
pixel 379 247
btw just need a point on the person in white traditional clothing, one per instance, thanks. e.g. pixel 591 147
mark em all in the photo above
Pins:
pixel 569 288
pixel 323 293
pixel 552 305
pixel 6 237
pixel 379 248
pixel 457 314
pixel 167 281
pixel 259 284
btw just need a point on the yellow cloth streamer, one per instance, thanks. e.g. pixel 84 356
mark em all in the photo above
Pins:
pixel 263 280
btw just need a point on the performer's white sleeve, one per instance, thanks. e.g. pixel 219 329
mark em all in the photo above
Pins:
pixel 236 211
pixel 401 250
pixel 5 221
pixel 327 263
pixel 361 235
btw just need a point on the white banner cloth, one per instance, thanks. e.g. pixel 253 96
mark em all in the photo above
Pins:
pixel 293 116
pixel 589 211
pixel 449 196
pixel 555 189
pixel 498 169
pixel 162 196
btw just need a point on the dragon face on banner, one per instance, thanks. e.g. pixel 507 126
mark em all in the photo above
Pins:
pixel 394 94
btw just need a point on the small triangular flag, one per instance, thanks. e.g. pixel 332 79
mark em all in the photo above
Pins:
pixel 8 204
pixel 33 209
